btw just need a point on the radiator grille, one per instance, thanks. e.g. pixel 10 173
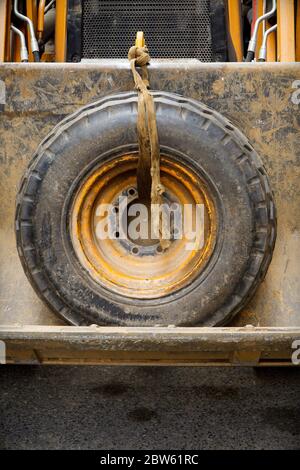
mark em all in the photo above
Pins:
pixel 173 28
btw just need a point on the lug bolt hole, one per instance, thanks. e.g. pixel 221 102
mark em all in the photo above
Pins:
pixel 131 191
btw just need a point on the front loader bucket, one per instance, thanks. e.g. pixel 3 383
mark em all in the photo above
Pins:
pixel 264 102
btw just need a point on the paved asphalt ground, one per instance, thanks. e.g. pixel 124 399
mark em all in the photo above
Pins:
pixel 43 407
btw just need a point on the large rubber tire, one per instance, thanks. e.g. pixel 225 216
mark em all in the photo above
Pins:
pixel 208 142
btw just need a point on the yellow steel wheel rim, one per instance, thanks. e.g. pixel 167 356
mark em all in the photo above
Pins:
pixel 123 271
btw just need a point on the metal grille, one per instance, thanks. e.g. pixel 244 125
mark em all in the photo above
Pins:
pixel 173 28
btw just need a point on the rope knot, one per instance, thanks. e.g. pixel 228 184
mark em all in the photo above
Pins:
pixel 140 55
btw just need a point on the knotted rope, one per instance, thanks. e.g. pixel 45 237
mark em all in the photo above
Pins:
pixel 149 185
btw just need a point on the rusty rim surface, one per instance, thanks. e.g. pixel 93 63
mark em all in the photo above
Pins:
pixel 139 268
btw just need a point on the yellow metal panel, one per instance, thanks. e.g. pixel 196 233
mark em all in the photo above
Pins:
pixel 5 7
pixel 3 20
pixel 61 31
pixel 16 49
pixel 298 33
pixel 8 45
pixel 286 31
pixel 235 28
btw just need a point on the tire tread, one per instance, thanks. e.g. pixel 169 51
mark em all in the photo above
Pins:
pixel 214 123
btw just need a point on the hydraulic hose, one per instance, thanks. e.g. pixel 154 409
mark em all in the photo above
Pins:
pixel 253 41
pixel 45 24
pixel 23 48
pixel 36 56
pixel 263 49
pixel 41 19
pixel 33 42
pixel 250 56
